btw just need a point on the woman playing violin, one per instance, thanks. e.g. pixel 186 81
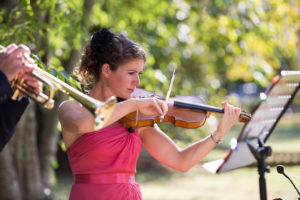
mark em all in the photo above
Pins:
pixel 103 162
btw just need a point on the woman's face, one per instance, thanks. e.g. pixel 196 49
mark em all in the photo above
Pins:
pixel 125 79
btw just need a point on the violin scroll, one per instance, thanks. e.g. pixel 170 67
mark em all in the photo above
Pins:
pixel 244 117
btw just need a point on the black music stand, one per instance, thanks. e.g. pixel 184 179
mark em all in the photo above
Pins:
pixel 250 143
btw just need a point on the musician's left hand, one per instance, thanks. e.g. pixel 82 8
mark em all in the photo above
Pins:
pixel 31 82
pixel 230 117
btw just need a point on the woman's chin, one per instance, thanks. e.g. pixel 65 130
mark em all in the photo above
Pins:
pixel 125 96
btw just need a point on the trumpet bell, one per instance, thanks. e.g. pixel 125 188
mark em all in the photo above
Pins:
pixel 103 112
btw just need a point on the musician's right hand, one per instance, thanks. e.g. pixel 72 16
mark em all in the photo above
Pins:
pixel 15 59
pixel 151 106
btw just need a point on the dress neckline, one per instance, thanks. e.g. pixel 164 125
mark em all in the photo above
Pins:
pixel 91 133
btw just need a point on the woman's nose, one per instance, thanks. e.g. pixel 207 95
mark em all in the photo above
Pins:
pixel 137 80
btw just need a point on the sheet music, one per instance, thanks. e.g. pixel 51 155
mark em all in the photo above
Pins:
pixel 265 117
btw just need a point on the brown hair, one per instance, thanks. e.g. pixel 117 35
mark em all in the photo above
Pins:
pixel 106 47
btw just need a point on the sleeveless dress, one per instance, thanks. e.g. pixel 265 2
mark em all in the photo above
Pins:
pixel 103 164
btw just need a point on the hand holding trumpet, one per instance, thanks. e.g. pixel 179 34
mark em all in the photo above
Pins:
pixel 15 61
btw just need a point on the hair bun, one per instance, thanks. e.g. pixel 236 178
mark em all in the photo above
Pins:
pixel 101 39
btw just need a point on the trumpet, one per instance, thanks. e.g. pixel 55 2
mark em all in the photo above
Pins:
pixel 101 110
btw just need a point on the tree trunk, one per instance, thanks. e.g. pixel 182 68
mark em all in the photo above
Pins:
pixel 9 184
pixel 48 140
pixel 26 163
pixel 33 186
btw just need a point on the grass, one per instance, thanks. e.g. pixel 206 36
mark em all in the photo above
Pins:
pixel 238 184
pixel 199 184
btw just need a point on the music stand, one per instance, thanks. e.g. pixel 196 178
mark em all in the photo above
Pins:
pixel 250 143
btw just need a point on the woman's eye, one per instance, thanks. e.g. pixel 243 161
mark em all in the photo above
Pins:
pixel 133 73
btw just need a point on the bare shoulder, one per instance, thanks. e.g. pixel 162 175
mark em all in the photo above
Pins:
pixel 68 108
pixel 74 117
pixel 68 104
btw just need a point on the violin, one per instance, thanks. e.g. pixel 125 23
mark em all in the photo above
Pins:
pixel 183 111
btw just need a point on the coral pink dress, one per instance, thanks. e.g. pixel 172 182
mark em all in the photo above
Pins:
pixel 103 164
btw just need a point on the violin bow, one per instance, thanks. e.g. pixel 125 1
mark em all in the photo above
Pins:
pixel 170 86
pixel 169 91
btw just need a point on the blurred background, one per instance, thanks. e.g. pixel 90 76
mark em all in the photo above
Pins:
pixel 221 49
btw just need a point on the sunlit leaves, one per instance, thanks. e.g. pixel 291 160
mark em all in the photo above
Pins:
pixel 215 45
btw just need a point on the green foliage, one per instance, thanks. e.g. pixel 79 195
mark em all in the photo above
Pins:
pixel 213 44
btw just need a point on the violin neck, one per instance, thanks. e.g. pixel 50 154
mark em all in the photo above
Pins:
pixel 197 106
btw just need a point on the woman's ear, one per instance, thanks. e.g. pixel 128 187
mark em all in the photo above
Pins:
pixel 105 70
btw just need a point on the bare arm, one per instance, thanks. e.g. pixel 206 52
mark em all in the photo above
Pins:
pixel 160 146
pixel 147 106
pixel 123 108
pixel 76 120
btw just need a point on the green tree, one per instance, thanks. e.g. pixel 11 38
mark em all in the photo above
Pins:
pixel 213 44
pixel 45 26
